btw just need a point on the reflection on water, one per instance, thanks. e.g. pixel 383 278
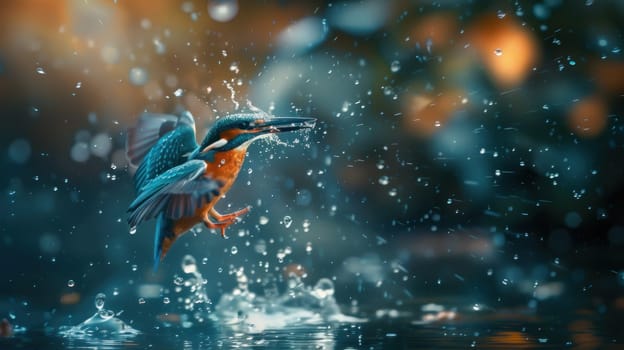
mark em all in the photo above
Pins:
pixel 517 329
pixel 307 317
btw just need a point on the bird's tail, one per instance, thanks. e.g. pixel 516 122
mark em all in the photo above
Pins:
pixel 163 239
pixel 145 134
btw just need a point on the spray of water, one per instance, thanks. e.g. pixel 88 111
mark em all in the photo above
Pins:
pixel 103 324
pixel 299 305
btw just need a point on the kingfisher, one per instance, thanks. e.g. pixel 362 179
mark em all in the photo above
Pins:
pixel 179 181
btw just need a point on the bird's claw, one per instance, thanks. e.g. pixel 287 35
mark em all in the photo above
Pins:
pixel 226 217
pixel 224 220
pixel 222 225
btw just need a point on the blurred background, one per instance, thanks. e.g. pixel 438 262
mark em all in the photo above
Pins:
pixel 464 148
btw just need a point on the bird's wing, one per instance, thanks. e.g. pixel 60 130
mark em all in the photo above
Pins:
pixel 169 151
pixel 150 128
pixel 177 193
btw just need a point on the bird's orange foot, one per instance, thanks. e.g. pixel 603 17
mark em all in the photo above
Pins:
pixel 230 216
pixel 222 225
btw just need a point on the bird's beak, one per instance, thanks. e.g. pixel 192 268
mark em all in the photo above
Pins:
pixel 282 124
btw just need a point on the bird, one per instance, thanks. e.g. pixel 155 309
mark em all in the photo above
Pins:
pixel 179 182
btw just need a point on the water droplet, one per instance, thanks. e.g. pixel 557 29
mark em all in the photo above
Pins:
pixel 476 307
pixel 264 220
pixel 166 300
pixel 100 299
pixel 160 47
pixel 40 70
pixel 141 301
pixel 138 76
pixel 223 10
pixel 308 248
pixel 393 192
pixel 71 283
pixel 500 14
pixel 133 230
pixel 287 220
pixel 306 225
pixel 234 68
pixel 106 314
pixel 384 180
pixel 345 106
pixel 497 172
pixel 395 66
pixel 188 264
pixel 498 52
pixel 324 288
pixel 234 250
pixel 280 255
pixel 179 92
pixel 260 247
pixel 187 7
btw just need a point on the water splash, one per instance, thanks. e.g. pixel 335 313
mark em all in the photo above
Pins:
pixel 232 94
pixel 101 325
pixel 243 310
pixel 191 293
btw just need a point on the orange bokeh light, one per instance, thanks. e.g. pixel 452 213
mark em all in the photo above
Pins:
pixel 70 298
pixel 508 49
pixel 439 28
pixel 425 114
pixel 609 75
pixel 588 117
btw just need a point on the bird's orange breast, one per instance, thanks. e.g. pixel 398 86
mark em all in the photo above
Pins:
pixel 224 168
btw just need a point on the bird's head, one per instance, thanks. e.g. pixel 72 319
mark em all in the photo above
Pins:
pixel 239 130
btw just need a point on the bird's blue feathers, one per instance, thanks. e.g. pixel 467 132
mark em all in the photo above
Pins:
pixel 167 153
pixel 163 230
pixel 150 128
pixel 156 195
